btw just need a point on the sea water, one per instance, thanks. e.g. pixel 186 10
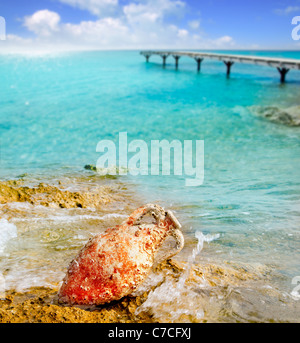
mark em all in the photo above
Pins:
pixel 55 108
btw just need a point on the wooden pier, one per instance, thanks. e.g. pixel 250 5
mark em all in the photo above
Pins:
pixel 283 65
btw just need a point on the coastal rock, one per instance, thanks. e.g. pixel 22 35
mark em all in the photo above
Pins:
pixel 52 196
pixel 287 116
pixel 216 290
pixel 90 167
pixel 38 306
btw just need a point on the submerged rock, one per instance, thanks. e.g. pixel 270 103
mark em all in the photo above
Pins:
pixel 90 167
pixel 287 116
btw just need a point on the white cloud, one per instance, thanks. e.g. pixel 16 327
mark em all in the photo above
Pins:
pixel 288 10
pixel 96 7
pixel 194 24
pixel 225 40
pixel 43 23
pixel 152 10
pixel 142 24
pixel 182 33
pixel 146 21
pixel 106 32
pixel 139 13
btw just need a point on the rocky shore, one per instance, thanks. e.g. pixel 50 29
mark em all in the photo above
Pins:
pixel 39 305
pixel 53 221
pixel 55 196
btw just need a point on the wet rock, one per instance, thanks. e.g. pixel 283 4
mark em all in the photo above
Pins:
pixel 90 167
pixel 288 116
pixel 38 305
pixel 52 196
pixel 211 293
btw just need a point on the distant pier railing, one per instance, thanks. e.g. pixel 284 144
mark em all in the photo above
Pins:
pixel 283 65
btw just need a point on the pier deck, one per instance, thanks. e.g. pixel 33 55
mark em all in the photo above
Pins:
pixel 283 65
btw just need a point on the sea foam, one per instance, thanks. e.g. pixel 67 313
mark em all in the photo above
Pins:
pixel 7 232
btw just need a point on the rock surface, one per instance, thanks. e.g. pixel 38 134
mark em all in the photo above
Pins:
pixel 287 116
pixel 53 196
pixel 40 305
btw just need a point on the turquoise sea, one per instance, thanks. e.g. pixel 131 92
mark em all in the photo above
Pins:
pixel 55 108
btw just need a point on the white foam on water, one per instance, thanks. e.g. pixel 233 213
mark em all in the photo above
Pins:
pixel 22 258
pixel 21 279
pixel 114 215
pixel 70 218
pixel 2 286
pixel 152 280
pixel 169 302
pixel 7 232
pixel 173 299
pixel 295 295
pixel 196 251
pixel 20 205
pixel 73 218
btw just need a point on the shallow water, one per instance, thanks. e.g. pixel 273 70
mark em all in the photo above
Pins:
pixel 38 242
pixel 56 108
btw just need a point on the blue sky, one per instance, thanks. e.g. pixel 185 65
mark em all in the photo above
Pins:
pixel 135 24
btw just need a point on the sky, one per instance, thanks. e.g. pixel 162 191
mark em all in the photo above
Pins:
pixel 147 24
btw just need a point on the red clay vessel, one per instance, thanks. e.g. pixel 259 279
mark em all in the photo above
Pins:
pixel 113 264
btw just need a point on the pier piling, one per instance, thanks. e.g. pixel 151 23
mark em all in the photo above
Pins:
pixel 283 72
pixel 228 64
pixel 164 57
pixel 199 61
pixel 176 60
pixel 283 65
